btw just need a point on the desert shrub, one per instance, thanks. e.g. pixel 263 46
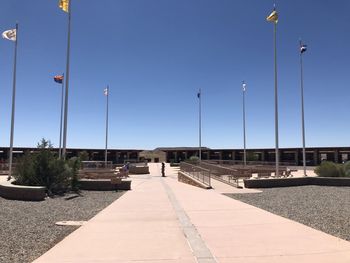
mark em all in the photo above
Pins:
pixel 42 168
pixel 24 173
pixel 252 156
pixel 84 156
pixel 329 169
pixel 74 164
pixel 193 160
pixel 346 169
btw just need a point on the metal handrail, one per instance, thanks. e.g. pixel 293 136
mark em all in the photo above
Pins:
pixel 201 174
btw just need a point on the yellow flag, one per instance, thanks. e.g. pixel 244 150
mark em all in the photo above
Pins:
pixel 64 5
pixel 273 17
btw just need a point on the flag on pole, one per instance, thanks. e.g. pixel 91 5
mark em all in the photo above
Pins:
pixel 58 78
pixel 244 86
pixel 273 17
pixel 10 34
pixel 303 48
pixel 105 91
pixel 198 94
pixel 64 5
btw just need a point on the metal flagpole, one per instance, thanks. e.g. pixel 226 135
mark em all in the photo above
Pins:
pixel 244 135
pixel 200 124
pixel 13 105
pixel 64 144
pixel 107 96
pixel 62 95
pixel 302 106
pixel 276 101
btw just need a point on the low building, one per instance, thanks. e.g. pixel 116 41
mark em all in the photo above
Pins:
pixel 154 156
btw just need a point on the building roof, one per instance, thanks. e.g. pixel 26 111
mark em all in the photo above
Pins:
pixel 180 148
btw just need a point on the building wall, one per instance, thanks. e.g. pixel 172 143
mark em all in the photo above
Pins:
pixel 292 156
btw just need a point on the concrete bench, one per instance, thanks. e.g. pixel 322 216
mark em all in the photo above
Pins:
pixel 138 169
pixel 102 174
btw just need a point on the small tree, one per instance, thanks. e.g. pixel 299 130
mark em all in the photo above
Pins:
pixel 24 173
pixel 44 169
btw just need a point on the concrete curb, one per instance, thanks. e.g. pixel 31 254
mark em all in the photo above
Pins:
pixel 300 181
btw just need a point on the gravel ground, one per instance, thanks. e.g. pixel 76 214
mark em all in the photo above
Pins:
pixel 27 229
pixel 320 207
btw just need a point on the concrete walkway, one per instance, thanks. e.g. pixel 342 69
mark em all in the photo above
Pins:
pixel 162 220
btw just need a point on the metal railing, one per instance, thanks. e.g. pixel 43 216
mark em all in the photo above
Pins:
pixel 227 173
pixel 201 174
pixel 255 163
pixel 220 167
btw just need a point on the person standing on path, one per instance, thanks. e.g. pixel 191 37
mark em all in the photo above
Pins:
pixel 163 169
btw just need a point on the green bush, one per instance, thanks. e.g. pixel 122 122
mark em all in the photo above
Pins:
pixel 193 160
pixel 74 164
pixel 252 156
pixel 25 173
pixel 42 168
pixel 346 169
pixel 329 169
pixel 84 156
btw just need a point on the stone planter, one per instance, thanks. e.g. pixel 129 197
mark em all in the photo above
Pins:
pixel 9 190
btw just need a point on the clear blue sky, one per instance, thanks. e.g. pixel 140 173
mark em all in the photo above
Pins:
pixel 156 54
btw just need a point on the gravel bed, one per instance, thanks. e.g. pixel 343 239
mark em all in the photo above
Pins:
pixel 28 230
pixel 321 207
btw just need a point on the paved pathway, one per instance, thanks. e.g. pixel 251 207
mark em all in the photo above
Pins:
pixel 162 220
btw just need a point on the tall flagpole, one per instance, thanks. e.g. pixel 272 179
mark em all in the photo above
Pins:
pixel 244 135
pixel 13 105
pixel 200 124
pixel 276 101
pixel 302 106
pixel 107 100
pixel 67 85
pixel 60 147
pixel 273 17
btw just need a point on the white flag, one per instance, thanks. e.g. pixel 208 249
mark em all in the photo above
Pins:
pixel 10 34
pixel 105 91
pixel 244 86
